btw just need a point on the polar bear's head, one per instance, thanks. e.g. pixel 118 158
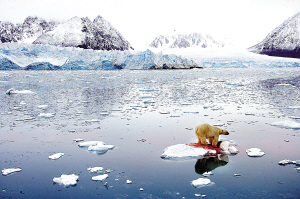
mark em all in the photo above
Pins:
pixel 223 132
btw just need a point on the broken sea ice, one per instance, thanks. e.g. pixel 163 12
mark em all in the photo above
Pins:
pixel 10 170
pixel 100 147
pixel 46 115
pixel 95 169
pixel 254 152
pixel 66 180
pixel 56 156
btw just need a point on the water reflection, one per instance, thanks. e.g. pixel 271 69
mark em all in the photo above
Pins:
pixel 208 164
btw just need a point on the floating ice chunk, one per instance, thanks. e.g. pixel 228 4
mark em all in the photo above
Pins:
pixel 293 107
pixel 93 120
pixel 100 177
pixel 164 112
pixel 10 170
pixel 208 173
pixel 228 148
pixel 78 140
pixel 56 156
pixel 46 115
pixel 14 91
pixel 288 124
pixel 43 106
pixel 100 147
pixel 201 182
pixel 66 180
pixel 95 169
pixel 22 103
pixel 128 181
pixel 254 152
pixel 90 143
pixel 285 162
pixel 183 151
pixel 141 189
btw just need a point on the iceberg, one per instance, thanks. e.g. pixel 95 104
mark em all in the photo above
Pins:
pixel 56 156
pixel 100 177
pixel 43 106
pixel 201 182
pixel 66 180
pixel 10 170
pixel 254 152
pixel 128 182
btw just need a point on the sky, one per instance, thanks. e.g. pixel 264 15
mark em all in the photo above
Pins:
pixel 242 23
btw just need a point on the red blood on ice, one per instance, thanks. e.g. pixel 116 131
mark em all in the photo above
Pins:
pixel 208 147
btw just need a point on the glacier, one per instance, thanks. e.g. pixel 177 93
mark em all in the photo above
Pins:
pixel 15 56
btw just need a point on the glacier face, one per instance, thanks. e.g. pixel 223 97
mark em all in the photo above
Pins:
pixel 185 41
pixel 98 34
pixel 283 41
pixel 49 57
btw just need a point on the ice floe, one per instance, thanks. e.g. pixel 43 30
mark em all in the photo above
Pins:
pixel 10 170
pixel 100 177
pixel 43 106
pixel 78 140
pixel 288 124
pixel 66 180
pixel 100 147
pixel 46 115
pixel 56 156
pixel 90 143
pixel 286 161
pixel 201 182
pixel 128 182
pixel 14 91
pixel 183 151
pixel 254 152
pixel 95 169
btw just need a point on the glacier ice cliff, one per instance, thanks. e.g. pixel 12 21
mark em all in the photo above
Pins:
pixel 49 57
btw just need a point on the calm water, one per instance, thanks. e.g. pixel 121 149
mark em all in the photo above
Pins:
pixel 142 113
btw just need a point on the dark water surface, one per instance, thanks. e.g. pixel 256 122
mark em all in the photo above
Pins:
pixel 142 113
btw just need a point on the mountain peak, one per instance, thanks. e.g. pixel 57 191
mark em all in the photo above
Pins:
pixel 185 41
pixel 283 41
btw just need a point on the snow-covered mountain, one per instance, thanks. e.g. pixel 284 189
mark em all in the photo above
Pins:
pixel 283 41
pixel 27 32
pixel 81 32
pixel 76 32
pixel 185 41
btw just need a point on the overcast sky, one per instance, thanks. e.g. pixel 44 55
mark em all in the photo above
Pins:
pixel 241 22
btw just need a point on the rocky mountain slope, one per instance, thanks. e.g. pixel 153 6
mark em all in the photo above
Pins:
pixel 185 41
pixel 283 41
pixel 76 32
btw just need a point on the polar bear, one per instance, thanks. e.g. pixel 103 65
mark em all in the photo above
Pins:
pixel 205 131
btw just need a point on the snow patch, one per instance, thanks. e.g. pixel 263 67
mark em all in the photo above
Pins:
pixel 66 180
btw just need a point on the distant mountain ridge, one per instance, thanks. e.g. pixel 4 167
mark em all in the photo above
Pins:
pixel 76 32
pixel 283 41
pixel 185 41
